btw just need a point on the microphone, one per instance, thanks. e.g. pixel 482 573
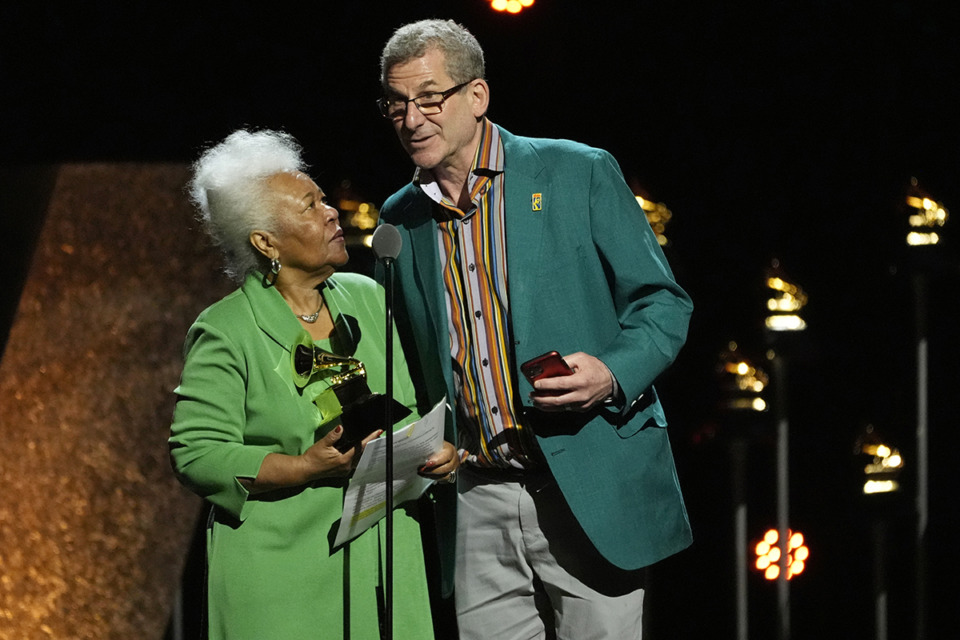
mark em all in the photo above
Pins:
pixel 386 243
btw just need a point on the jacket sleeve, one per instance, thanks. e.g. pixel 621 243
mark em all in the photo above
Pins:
pixel 207 446
pixel 652 309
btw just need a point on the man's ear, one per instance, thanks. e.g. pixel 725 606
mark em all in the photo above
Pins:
pixel 480 97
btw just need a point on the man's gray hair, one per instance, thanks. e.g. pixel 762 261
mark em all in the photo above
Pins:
pixel 228 187
pixel 462 52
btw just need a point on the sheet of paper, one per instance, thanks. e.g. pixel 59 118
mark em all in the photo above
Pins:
pixel 366 500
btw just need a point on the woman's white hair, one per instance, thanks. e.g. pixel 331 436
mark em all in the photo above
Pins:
pixel 228 188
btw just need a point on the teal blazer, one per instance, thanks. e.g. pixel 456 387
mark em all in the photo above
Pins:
pixel 585 273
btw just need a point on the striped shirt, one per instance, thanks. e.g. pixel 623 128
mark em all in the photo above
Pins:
pixel 472 246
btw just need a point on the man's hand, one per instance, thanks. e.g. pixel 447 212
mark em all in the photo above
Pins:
pixel 443 465
pixel 590 384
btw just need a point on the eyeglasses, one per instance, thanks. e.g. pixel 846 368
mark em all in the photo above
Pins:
pixel 429 104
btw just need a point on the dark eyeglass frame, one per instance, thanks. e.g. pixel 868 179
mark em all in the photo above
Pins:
pixel 385 102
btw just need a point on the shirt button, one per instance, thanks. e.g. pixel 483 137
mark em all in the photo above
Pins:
pixel 494 411
pixel 477 314
pixel 485 362
pixel 472 267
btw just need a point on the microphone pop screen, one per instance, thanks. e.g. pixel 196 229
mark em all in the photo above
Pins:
pixel 386 242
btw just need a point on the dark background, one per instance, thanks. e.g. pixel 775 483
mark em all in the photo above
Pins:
pixel 774 129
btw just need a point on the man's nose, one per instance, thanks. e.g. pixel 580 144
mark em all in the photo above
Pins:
pixel 412 118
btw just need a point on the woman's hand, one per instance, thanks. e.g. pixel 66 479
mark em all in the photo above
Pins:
pixel 321 460
pixel 324 460
pixel 442 466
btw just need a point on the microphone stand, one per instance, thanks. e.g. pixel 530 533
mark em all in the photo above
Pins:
pixel 388 420
pixel 386 246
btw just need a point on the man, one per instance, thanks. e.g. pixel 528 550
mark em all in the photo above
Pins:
pixel 513 247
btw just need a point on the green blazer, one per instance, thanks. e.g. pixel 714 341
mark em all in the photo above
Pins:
pixel 585 273
pixel 272 570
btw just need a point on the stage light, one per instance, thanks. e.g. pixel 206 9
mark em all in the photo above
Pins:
pixel 357 216
pixel 926 216
pixel 511 6
pixel 769 554
pixel 742 382
pixel 785 303
pixel 884 465
pixel 658 216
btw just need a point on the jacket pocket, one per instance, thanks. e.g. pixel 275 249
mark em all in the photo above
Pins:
pixel 645 413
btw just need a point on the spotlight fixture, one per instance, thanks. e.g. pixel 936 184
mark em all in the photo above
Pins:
pixel 769 553
pixel 785 302
pixel 884 465
pixel 926 217
pixel 511 6
pixel 658 216
pixel 742 383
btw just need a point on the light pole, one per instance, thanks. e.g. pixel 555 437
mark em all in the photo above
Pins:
pixel 880 478
pixel 925 219
pixel 742 385
pixel 783 316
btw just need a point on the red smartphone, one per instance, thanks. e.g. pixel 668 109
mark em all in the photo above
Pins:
pixel 547 365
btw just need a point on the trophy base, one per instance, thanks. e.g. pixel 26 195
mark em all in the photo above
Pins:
pixel 364 414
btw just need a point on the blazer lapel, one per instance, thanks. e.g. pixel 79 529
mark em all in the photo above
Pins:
pixel 422 262
pixel 426 263
pixel 272 314
pixel 528 194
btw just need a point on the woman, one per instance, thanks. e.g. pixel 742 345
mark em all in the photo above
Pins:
pixel 249 440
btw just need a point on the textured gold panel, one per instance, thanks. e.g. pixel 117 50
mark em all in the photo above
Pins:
pixel 94 528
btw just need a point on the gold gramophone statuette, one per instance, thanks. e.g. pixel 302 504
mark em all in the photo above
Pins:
pixel 361 411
